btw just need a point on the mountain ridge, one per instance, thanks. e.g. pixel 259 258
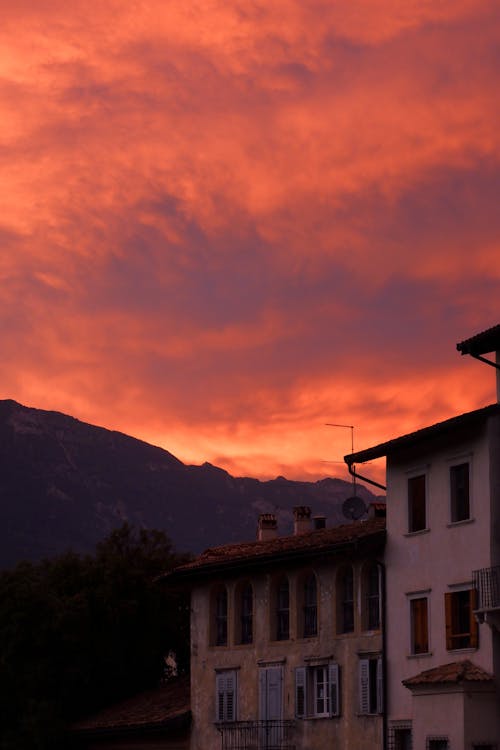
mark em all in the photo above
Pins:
pixel 66 484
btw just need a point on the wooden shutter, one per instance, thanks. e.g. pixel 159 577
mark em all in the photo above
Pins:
pixel 448 611
pixel 220 689
pixel 474 629
pixel 334 689
pixel 300 693
pixel 364 686
pixel 380 686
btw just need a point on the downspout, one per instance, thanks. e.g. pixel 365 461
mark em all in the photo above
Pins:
pixel 353 473
pixel 384 662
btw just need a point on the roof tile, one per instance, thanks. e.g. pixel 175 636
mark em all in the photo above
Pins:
pixel 454 673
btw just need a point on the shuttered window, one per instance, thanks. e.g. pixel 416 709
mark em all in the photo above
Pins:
pixel 416 503
pixel 317 691
pixel 226 696
pixel 370 685
pixel 461 626
pixel 419 626
pixel 459 492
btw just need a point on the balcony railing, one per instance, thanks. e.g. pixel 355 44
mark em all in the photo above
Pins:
pixel 257 735
pixel 487 584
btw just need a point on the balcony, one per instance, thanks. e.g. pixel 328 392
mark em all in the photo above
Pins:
pixel 257 735
pixel 487 585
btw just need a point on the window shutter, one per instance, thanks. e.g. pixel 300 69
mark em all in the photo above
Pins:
pixel 230 697
pixel 220 682
pixel 300 692
pixel 474 629
pixel 333 679
pixel 380 686
pixel 364 695
pixel 449 619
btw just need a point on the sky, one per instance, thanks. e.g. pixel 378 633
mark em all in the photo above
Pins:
pixel 227 224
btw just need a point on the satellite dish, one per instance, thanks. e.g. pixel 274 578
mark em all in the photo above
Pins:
pixel 354 507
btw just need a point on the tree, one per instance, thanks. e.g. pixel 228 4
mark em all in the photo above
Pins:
pixel 78 632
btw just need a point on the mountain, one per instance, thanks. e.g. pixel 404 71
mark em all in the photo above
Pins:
pixel 66 484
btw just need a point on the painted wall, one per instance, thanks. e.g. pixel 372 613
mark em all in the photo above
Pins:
pixel 434 560
pixel 350 731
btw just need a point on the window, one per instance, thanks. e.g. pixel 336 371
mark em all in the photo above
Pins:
pixel 419 624
pixel 459 492
pixel 283 610
pixel 246 614
pixel 400 737
pixel 345 601
pixel 416 503
pixel 370 685
pixel 437 743
pixel 310 607
pixel 371 591
pixel 461 625
pixel 226 696
pixel 317 691
pixel 221 617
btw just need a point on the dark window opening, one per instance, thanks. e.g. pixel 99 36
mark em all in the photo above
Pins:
pixel 416 503
pixel 283 611
pixel 459 490
pixel 310 607
pixel 247 614
pixel 373 597
pixel 461 625
pixel 347 601
pixel 221 618
pixel 419 626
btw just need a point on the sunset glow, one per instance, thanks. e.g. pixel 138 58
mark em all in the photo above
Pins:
pixel 226 224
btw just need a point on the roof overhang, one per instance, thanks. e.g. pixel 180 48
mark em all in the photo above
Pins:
pixel 482 343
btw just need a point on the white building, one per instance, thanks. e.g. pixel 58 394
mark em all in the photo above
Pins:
pixel 443 578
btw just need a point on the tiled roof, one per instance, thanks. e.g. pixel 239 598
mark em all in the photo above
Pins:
pixel 309 543
pixel 441 428
pixel 154 708
pixel 482 343
pixel 454 673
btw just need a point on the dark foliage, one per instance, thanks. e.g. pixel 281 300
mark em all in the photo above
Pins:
pixel 77 633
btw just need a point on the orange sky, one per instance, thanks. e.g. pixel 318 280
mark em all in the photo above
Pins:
pixel 226 224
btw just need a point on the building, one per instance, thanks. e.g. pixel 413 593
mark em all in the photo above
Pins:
pixel 286 638
pixel 443 577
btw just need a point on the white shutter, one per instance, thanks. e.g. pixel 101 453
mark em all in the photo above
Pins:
pixel 230 696
pixel 274 700
pixel 380 686
pixel 364 686
pixel 220 689
pixel 262 695
pixel 334 686
pixel 300 693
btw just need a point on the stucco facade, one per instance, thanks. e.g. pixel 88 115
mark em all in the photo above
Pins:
pixel 443 505
pixel 287 687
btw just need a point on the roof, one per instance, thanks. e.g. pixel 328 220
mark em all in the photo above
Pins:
pixel 153 709
pixel 285 548
pixel 436 430
pixel 454 673
pixel 481 343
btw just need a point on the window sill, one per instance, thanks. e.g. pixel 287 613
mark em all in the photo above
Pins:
pixel 460 523
pixel 424 655
pixel 465 650
pixel 417 533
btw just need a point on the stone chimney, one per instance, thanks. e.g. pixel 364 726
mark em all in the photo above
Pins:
pixel 301 519
pixel 267 527
pixel 319 522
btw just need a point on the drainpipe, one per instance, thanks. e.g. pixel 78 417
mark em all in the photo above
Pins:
pixel 384 661
pixel 354 473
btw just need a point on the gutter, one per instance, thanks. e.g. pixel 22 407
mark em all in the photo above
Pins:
pixel 354 473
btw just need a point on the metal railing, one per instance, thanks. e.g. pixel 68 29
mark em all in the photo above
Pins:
pixel 257 735
pixel 487 584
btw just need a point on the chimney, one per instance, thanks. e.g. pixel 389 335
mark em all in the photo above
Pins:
pixel 301 519
pixel 267 527
pixel 319 522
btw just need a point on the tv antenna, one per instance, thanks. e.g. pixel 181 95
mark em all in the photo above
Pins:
pixel 353 507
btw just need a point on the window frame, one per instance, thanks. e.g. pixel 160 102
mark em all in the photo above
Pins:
pixel 413 497
pixel 307 690
pixel 282 612
pixel 454 489
pixel 345 601
pixel 371 685
pixel 246 601
pixel 467 639
pixel 417 619
pixel 310 606
pixel 371 597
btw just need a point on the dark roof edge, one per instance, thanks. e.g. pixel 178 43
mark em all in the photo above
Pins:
pixel 255 561
pixel 384 449
pixel 178 721
pixel 482 343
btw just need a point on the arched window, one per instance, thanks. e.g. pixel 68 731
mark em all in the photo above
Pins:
pixel 246 613
pixel 372 596
pixel 221 617
pixel 310 627
pixel 345 600
pixel 283 610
